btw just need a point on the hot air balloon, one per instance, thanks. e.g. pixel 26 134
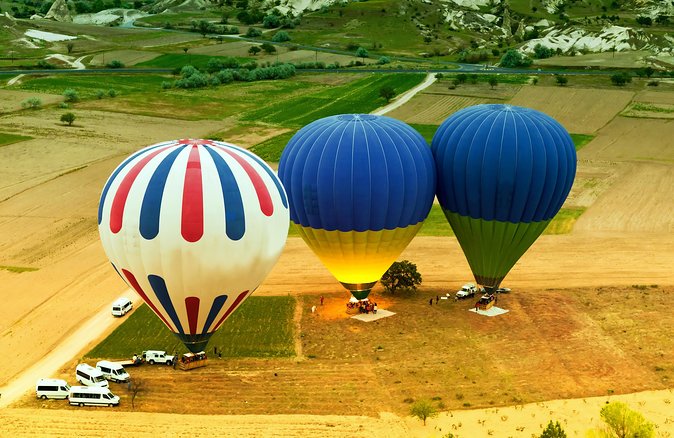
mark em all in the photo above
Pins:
pixel 503 173
pixel 194 226
pixel 359 188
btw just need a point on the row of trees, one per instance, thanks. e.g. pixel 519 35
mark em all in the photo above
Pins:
pixel 620 422
pixel 191 77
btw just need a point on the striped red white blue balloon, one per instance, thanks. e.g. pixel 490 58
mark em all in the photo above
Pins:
pixel 194 226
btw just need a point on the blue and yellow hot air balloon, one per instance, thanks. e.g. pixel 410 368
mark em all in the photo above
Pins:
pixel 359 188
pixel 503 173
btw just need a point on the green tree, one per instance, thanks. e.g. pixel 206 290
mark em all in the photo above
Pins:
pixel 254 50
pixel 281 37
pixel 622 422
pixel 561 80
pixel 621 79
pixel 253 32
pixel 401 276
pixel 268 48
pixel 361 52
pixel 553 430
pixel 387 92
pixel 542 52
pixel 70 46
pixel 423 409
pixel 513 58
pixel 493 81
pixel 68 118
pixel 115 64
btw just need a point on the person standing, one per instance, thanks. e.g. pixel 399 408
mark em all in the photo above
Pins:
pixel 322 300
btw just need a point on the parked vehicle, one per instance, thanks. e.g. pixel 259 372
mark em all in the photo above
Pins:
pixel 121 307
pixel 503 290
pixel 467 290
pixel 51 388
pixel 90 376
pixel 92 396
pixel 113 371
pixel 157 356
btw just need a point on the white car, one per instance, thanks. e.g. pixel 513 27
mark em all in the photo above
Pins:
pixel 467 290
pixel 156 356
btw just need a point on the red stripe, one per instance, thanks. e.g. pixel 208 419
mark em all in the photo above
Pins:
pixel 192 307
pixel 232 308
pixel 193 200
pixel 266 205
pixel 134 283
pixel 117 210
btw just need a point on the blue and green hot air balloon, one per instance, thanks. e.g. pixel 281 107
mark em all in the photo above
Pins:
pixel 503 173
pixel 359 188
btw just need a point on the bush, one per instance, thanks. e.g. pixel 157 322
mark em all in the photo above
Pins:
pixel 384 60
pixel 112 92
pixel 253 32
pixel 621 79
pixel 196 80
pixel 423 409
pixel 224 76
pixel 70 95
pixel 542 52
pixel 68 118
pixel 31 103
pixel 165 85
pixel 621 421
pixel 115 64
pixel 45 65
pixel 100 94
pixel 553 430
pixel 281 37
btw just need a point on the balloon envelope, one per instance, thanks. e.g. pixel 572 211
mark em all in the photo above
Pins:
pixel 503 173
pixel 359 188
pixel 194 226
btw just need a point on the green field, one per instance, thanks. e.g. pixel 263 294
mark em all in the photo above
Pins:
pixel 260 327
pixel 6 139
pixel 580 140
pixel 360 96
pixel 177 60
pixel 270 150
pixel 87 85
pixel 426 131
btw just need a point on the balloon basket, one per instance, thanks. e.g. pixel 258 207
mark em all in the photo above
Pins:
pixel 189 361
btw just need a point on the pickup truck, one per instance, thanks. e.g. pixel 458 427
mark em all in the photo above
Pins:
pixel 467 290
pixel 155 356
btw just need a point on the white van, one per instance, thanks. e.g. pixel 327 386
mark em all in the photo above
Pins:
pixel 121 307
pixel 51 388
pixel 92 396
pixel 90 376
pixel 113 371
pixel 157 356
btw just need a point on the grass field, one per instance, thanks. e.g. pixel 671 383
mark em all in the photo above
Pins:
pixel 580 140
pixel 6 139
pixel 176 60
pixel 360 96
pixel 87 85
pixel 261 327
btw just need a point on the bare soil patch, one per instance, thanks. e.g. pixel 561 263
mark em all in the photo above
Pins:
pixel 433 109
pixel 10 100
pixel 579 110
pixel 127 57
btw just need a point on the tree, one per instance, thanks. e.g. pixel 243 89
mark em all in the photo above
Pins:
pixel 361 52
pixel 387 92
pixel 553 430
pixel 401 276
pixel 70 46
pixel 620 79
pixel 68 118
pixel 135 386
pixel 254 50
pixel 513 58
pixel 115 63
pixel 622 422
pixel 423 409
pixel 268 48
pixel 493 81
pixel 281 37
pixel 561 80
pixel 542 52
pixel 253 32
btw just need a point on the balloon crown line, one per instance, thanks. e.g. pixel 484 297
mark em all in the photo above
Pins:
pixel 356 117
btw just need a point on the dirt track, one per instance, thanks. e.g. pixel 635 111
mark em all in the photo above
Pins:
pixel 47 221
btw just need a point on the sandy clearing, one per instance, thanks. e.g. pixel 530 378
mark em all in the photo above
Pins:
pixel 598 106
pixel 665 97
pixel 10 100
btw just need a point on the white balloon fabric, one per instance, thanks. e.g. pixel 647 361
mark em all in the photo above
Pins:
pixel 194 226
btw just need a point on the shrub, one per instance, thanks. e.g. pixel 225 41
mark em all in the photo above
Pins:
pixel 280 37
pixel 542 52
pixel 31 103
pixel 112 92
pixel 115 64
pixel 165 85
pixel 70 95
pixel 100 94
pixel 513 58
pixel 253 32
pixel 384 60
pixel 45 65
